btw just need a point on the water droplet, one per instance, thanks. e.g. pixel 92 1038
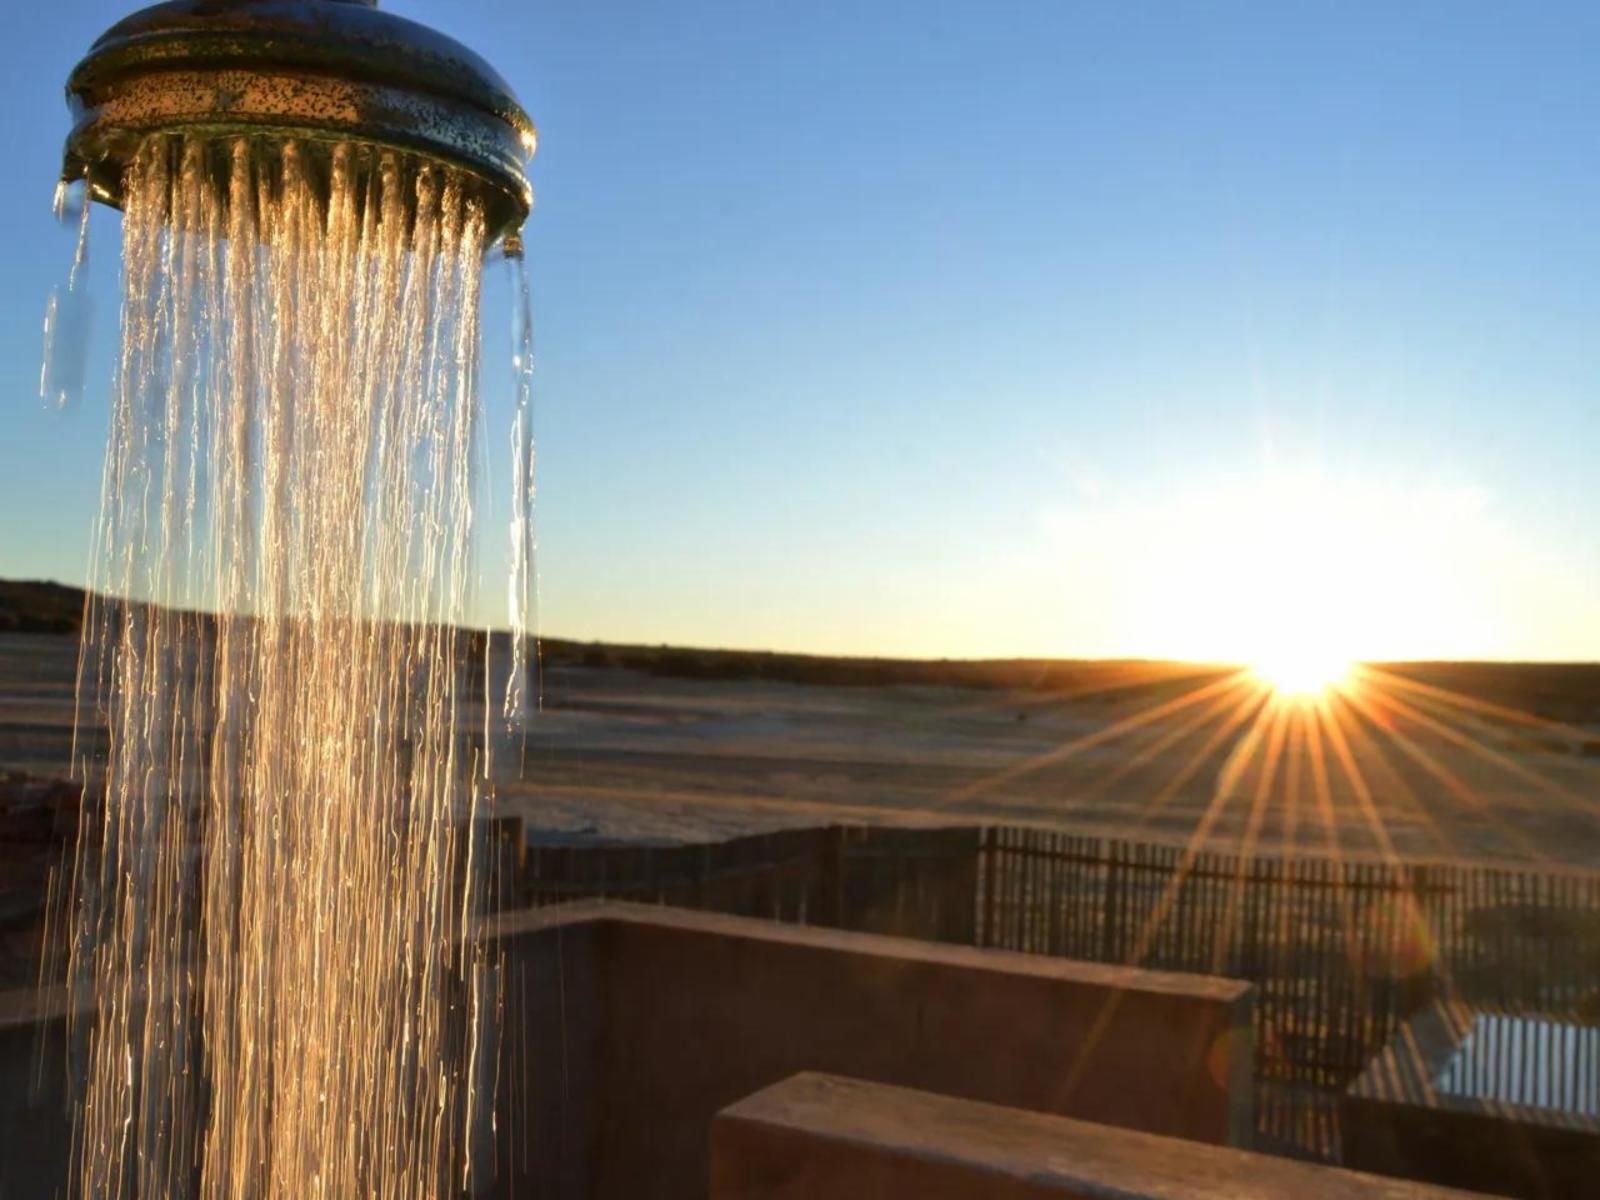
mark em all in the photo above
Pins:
pixel 523 598
pixel 71 198
pixel 69 311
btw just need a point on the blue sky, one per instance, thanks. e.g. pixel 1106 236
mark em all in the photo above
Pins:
pixel 1001 328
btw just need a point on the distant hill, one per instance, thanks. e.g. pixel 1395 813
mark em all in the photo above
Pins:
pixel 37 606
pixel 1012 674
pixel 1555 691
pixel 28 606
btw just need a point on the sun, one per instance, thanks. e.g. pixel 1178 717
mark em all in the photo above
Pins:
pixel 1303 674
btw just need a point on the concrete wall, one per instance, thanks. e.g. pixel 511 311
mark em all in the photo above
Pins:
pixel 546 1105
pixel 625 1029
pixel 819 1137
pixel 679 1014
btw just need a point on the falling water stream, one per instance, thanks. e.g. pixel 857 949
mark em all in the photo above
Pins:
pixel 267 914
pixel 68 312
pixel 523 580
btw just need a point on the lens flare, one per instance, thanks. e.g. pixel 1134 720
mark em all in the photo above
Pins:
pixel 1307 674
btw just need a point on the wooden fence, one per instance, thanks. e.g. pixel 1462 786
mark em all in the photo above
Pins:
pixel 905 882
pixel 1341 952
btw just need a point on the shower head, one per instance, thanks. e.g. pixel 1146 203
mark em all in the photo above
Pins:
pixel 316 70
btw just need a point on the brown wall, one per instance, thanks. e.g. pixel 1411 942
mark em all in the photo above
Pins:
pixel 819 1137
pixel 35 1117
pixel 627 1028
pixel 685 1013
pixel 1492 1151
pixel 545 1100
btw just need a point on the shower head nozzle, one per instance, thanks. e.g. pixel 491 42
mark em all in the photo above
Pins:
pixel 319 70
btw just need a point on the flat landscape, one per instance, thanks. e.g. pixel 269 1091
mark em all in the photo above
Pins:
pixel 664 746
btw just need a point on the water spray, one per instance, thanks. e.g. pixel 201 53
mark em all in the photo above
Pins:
pixel 271 912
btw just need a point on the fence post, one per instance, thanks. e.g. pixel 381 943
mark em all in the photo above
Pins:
pixel 698 878
pixel 986 861
pixel 958 894
pixel 1422 983
pixel 1108 931
pixel 829 908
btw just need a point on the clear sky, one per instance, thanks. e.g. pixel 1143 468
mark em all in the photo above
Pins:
pixel 991 328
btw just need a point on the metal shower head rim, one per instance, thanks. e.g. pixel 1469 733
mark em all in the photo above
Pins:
pixel 316 70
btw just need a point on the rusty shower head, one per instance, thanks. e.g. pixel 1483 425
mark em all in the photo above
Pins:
pixel 318 70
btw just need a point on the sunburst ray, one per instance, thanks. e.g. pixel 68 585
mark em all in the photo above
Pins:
pixel 1459 789
pixel 1089 741
pixel 1182 730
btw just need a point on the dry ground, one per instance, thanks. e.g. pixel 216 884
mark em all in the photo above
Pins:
pixel 628 755
pixel 619 754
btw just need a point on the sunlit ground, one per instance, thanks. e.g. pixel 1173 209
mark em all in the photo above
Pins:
pixel 1428 761
pixel 1480 762
pixel 1313 753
